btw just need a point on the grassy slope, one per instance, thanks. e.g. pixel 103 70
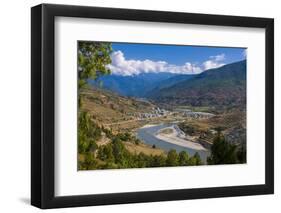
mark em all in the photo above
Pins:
pixel 137 149
pixel 231 123
pixel 108 108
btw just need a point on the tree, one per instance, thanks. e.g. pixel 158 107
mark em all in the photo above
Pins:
pixel 120 153
pixel 222 152
pixel 105 153
pixel 137 141
pixel 89 162
pixel 183 158
pixel 241 154
pixel 93 58
pixel 88 133
pixel 172 158
pixel 197 158
pixel 158 161
pixel 143 160
pixel 124 136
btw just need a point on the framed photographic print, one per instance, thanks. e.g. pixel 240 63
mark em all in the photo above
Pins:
pixel 140 106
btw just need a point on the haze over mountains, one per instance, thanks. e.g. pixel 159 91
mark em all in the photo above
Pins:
pixel 221 86
pixel 133 85
pixel 225 85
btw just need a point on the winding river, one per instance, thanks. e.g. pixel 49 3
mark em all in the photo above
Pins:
pixel 149 136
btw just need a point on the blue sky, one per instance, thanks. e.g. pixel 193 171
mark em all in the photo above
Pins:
pixel 132 59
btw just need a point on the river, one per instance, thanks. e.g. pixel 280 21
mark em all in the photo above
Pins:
pixel 148 136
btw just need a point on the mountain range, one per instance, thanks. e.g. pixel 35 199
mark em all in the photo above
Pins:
pixel 134 85
pixel 225 85
pixel 221 86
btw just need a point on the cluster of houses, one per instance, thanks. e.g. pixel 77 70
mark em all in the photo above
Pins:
pixel 194 115
pixel 155 113
pixel 198 115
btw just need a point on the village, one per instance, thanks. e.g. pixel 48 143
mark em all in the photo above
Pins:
pixel 186 113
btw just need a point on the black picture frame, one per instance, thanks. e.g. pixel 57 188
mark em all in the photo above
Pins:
pixel 43 102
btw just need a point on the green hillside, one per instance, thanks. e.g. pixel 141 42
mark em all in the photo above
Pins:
pixel 224 86
pixel 111 110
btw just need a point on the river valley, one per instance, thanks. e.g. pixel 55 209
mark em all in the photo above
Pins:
pixel 175 139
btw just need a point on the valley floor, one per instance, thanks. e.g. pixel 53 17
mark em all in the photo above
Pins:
pixel 155 131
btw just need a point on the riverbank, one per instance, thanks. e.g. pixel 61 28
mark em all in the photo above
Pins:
pixel 179 141
pixel 148 126
pixel 175 136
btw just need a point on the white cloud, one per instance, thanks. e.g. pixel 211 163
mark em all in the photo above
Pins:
pixel 211 64
pixel 214 62
pixel 121 66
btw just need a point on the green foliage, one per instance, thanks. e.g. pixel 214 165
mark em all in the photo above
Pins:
pixel 119 151
pixel 88 163
pixel 183 158
pixel 115 155
pixel 158 161
pixel 188 129
pixel 125 136
pixel 222 151
pixel 93 58
pixel 137 141
pixel 105 153
pixel 143 160
pixel 107 132
pixel 195 160
pixel 88 133
pixel 221 87
pixel 241 154
pixel 172 158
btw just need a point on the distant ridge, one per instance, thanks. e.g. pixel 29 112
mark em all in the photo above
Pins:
pixel 221 86
pixel 133 86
